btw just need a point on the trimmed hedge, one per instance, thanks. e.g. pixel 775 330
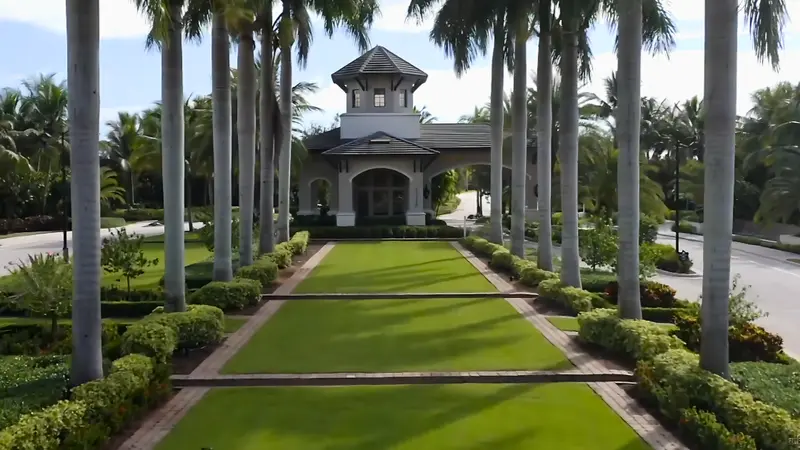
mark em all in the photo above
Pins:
pixel 635 339
pixel 229 295
pixel 675 381
pixel 94 411
pixel 383 232
pixel 263 270
pixel 29 384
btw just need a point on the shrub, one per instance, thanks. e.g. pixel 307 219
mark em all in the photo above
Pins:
pixel 633 339
pixel 263 270
pixel 149 338
pixel 533 276
pixel 703 429
pixel 653 294
pixel 140 214
pixel 30 224
pixel 115 294
pixel 675 381
pixel 747 341
pixel 776 384
pixel 44 429
pixel 228 295
pixel 299 242
pixel 670 260
pixel 44 287
pixel 207 234
pixel 112 222
pixel 398 231
pixel 599 245
pixel 122 253
pixel 198 326
pixel 648 229
pixel 29 384
pixel 502 259
pixel 598 281
pixel 573 299
pixel 128 309
pixel 281 257
pixel 684 227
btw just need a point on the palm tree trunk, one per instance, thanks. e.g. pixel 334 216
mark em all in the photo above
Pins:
pixel 221 100
pixel 544 123
pixel 83 78
pixel 246 127
pixel 173 160
pixel 570 267
pixel 720 104
pixel 266 242
pixel 628 118
pixel 519 143
pixel 285 157
pixel 496 118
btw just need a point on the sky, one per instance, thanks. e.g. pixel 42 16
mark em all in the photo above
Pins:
pixel 130 74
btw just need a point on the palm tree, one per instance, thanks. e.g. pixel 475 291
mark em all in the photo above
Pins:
pixel 123 139
pixel 767 20
pixel 425 116
pixel 544 136
pixel 83 55
pixel 355 16
pixel 221 99
pixel 167 33
pixel 268 110
pixel 246 127
pixel 519 123
pixel 463 30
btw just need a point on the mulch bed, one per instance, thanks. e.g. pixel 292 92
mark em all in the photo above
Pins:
pixel 185 363
pixel 119 438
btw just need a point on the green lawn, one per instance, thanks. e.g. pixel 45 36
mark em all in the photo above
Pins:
pixel 563 416
pixel 194 252
pixel 232 324
pixel 395 335
pixel 565 323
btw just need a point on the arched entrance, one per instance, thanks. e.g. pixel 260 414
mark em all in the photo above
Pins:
pixel 380 193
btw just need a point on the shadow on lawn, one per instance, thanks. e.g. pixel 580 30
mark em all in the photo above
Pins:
pixel 395 279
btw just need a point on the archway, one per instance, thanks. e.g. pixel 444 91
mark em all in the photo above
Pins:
pixel 380 192
pixel 322 196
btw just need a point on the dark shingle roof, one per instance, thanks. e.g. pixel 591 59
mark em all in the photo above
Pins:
pixel 379 143
pixel 379 61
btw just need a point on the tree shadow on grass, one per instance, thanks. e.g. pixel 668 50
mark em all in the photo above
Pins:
pixel 408 279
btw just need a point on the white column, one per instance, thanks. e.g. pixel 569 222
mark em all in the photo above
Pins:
pixel 306 197
pixel 427 203
pixel 415 214
pixel 345 217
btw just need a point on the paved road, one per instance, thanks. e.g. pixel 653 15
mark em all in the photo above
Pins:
pixel 14 249
pixel 774 282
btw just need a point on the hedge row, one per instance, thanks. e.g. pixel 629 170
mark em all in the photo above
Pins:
pixel 708 410
pixel 383 232
pixel 94 411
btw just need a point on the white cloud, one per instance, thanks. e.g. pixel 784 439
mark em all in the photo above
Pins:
pixel 118 18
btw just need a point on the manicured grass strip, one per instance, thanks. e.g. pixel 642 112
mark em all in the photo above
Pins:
pixel 396 335
pixel 565 323
pixel 395 267
pixel 193 252
pixel 232 324
pixel 564 416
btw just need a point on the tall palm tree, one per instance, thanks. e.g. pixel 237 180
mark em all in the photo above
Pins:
pixel 123 139
pixel 167 33
pixel 519 123
pixel 267 127
pixel 221 99
pixel 83 61
pixel 544 136
pixel 767 20
pixel 246 127
pixel 355 16
pixel 628 123
pixel 463 30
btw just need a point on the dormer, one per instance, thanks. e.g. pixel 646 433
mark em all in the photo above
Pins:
pixel 380 90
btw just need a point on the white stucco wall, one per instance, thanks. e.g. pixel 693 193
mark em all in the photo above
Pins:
pixel 402 125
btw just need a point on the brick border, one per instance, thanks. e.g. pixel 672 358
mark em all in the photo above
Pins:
pixel 217 360
pixel 645 425
pixel 395 378
pixel 161 422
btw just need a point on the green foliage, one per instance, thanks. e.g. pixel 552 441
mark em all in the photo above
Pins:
pixel 228 295
pixel 122 253
pixel 652 293
pixel 112 222
pixel 746 341
pixel 263 270
pixel 383 231
pixel 668 259
pixel 648 256
pixel 675 382
pixel 572 299
pixel 299 242
pixel 648 229
pixel 206 233
pixel 281 257
pixel 773 383
pixel 633 339
pixel 43 287
pixel 30 383
pixel 702 428
pixel 684 227
pixel 149 338
pixel 599 246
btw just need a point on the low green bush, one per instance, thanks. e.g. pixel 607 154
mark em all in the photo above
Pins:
pixel 128 309
pixel 383 232
pixel 648 229
pixel 773 383
pixel 572 299
pixel 704 430
pixel 281 256
pixel 115 294
pixel 299 242
pixel 661 315
pixel 29 384
pixel 684 227
pixel 652 293
pixel 675 382
pixel 631 339
pixel 161 334
pixel 746 341
pixel 502 260
pixel 152 339
pixel 263 270
pixel 140 214
pixel 229 295
pixel 533 276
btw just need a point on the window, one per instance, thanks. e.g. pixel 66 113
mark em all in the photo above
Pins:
pixel 356 98
pixel 379 99
pixel 403 98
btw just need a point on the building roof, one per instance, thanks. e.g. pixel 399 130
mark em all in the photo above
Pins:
pixel 379 143
pixel 437 136
pixel 378 61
